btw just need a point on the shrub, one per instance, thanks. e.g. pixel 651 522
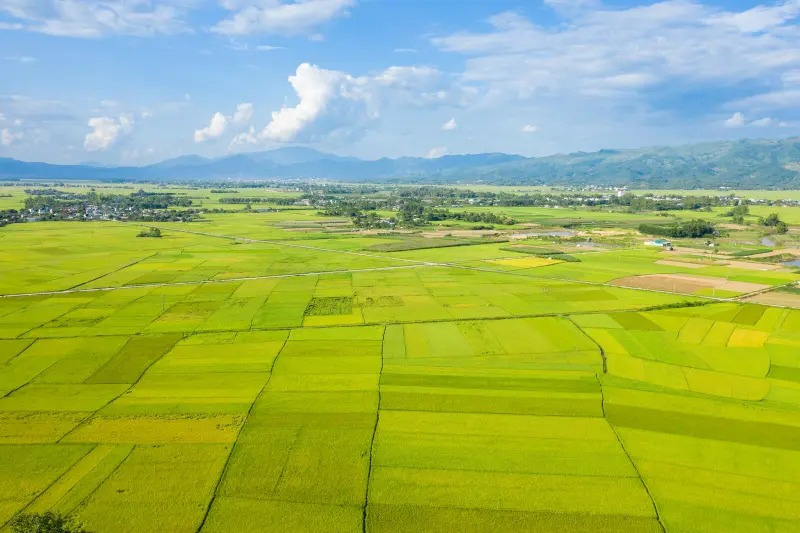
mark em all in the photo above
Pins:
pixel 152 232
pixel 691 228
pixel 47 522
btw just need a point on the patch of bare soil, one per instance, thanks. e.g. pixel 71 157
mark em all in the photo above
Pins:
pixel 684 264
pixel 686 283
pixel 605 233
pixel 706 254
pixel 752 265
pixel 460 233
pixel 787 251
pixel 785 299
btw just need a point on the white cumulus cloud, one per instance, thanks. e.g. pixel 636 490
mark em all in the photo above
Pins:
pixel 450 125
pixel 219 123
pixel 434 153
pixel 738 120
pixel 330 103
pixel 243 113
pixel 247 137
pixel 106 131
pixel 734 121
pixel 315 88
pixel 8 137
pixel 338 106
pixel 529 128
pixel 214 130
pixel 278 16
pixel 762 122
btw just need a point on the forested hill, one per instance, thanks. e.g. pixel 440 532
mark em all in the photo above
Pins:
pixel 741 164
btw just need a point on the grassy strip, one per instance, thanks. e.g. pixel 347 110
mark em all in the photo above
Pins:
pixel 542 252
pixel 755 251
pixel 402 245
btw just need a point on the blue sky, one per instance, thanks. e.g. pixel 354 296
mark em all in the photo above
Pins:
pixel 138 81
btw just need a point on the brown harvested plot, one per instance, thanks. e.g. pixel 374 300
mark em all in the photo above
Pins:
pixel 460 233
pixel 742 286
pixel 780 298
pixel 751 265
pixel 683 264
pixel 686 283
pixel 699 253
pixel 782 251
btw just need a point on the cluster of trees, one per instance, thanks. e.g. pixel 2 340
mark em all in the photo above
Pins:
pixel 629 201
pixel 774 222
pixel 60 200
pixel 738 213
pixel 690 228
pixel 152 232
pixel 410 212
pixel 10 216
pixel 486 217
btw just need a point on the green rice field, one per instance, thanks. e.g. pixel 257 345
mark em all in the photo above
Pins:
pixel 257 371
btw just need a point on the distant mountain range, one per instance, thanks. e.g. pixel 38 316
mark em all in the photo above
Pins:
pixel 743 164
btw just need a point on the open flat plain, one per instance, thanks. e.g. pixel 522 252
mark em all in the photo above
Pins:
pixel 260 371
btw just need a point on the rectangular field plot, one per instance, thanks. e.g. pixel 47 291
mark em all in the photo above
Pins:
pixel 461 432
pixel 189 393
pixel 213 354
pixel 27 471
pixel 304 450
pixel 60 397
pixel 548 470
pixel 27 427
pixel 174 483
pixel 710 485
pixel 390 517
pixel 134 358
pixel 249 515
pixel 526 366
pixel 158 429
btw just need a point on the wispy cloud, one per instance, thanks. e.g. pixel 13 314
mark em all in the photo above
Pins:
pixel 604 51
pixel 278 16
pixel 21 59
pixel 95 18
